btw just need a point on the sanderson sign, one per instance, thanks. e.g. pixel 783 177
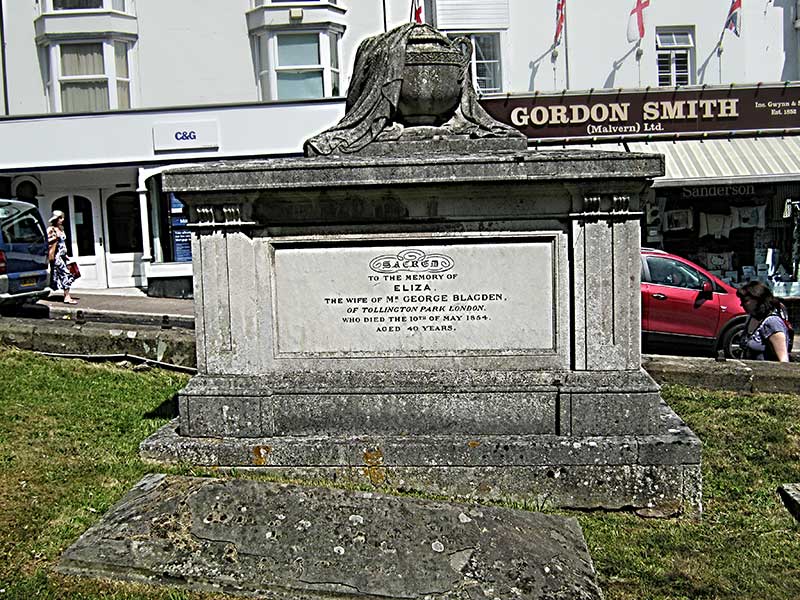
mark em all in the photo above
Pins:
pixel 645 114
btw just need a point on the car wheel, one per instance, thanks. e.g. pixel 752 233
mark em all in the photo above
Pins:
pixel 730 341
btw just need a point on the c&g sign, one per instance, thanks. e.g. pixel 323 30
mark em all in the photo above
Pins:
pixel 189 135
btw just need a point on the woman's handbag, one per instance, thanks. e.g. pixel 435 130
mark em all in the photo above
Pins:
pixel 74 269
pixel 52 241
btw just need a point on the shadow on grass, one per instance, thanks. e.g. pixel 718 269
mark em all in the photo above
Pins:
pixel 166 410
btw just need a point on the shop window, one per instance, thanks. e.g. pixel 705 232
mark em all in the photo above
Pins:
pixel 297 65
pixel 675 57
pixel 486 67
pixel 124 223
pixel 179 234
pixel 88 76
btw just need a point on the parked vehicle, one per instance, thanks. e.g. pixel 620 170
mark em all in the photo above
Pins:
pixel 684 306
pixel 24 268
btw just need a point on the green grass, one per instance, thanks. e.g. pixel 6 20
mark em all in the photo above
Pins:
pixel 746 545
pixel 69 433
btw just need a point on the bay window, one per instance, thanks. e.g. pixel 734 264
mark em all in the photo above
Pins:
pixel 117 5
pixel 297 65
pixel 88 76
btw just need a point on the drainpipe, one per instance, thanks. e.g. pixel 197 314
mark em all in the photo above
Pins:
pixel 797 31
pixel 3 57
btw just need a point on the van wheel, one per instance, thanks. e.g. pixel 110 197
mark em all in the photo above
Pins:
pixel 730 341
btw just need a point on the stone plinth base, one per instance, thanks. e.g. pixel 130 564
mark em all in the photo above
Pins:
pixel 658 472
pixel 403 403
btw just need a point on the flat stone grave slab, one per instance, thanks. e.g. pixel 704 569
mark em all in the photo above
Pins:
pixel 284 541
pixel 790 494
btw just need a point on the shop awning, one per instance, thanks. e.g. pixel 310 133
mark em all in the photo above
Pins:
pixel 726 161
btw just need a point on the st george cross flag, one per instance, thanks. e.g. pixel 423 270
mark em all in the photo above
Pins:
pixel 416 11
pixel 561 8
pixel 636 21
pixel 734 20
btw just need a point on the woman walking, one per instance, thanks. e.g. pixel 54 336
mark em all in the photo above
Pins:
pixel 62 278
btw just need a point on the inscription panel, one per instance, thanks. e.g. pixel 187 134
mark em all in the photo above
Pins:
pixel 495 297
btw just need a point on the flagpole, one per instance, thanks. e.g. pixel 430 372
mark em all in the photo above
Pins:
pixel 566 46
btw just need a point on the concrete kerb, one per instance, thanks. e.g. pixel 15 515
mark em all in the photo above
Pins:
pixel 141 336
pixel 91 340
pixel 743 376
pixel 154 319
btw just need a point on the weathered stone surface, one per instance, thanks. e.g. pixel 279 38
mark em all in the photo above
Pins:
pixel 424 402
pixel 175 346
pixel 341 334
pixel 748 376
pixel 290 542
pixel 412 76
pixel 775 378
pixel 481 167
pixel 619 472
pixel 790 494
pixel 706 373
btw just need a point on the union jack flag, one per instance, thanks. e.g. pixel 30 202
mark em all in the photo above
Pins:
pixel 416 11
pixel 561 11
pixel 734 19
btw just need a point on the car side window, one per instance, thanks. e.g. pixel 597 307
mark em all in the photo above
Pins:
pixel 667 271
pixel 23 229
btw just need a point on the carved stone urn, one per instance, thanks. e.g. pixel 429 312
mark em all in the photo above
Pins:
pixel 432 74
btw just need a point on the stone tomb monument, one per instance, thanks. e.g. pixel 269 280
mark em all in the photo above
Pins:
pixel 422 303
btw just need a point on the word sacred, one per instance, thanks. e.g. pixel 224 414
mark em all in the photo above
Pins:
pixel 411 260
pixel 618 112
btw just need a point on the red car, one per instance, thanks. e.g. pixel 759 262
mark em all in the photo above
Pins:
pixel 684 306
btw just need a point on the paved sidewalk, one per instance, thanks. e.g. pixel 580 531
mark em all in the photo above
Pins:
pixel 121 305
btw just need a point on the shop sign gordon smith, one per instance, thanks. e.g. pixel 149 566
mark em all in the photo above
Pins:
pixel 644 114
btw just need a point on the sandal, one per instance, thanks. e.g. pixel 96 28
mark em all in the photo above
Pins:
pixel 70 301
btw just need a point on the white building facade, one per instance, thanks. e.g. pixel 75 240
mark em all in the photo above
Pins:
pixel 99 96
